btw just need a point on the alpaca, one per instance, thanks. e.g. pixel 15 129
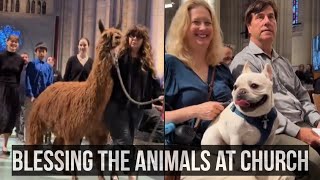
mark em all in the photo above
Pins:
pixel 72 110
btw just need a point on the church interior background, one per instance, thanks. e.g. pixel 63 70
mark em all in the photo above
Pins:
pixel 61 23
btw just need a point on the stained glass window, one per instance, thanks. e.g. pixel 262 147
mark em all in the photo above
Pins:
pixel 5 31
pixel 295 11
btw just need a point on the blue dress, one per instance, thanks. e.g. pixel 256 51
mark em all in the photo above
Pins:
pixel 183 87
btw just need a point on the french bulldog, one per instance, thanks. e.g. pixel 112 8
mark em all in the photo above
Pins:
pixel 251 118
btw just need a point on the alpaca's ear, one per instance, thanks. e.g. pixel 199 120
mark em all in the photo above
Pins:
pixel 118 26
pixel 101 26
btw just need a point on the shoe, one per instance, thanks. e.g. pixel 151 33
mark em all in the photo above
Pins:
pixel 6 153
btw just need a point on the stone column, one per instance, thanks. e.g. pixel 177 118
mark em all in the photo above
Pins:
pixel 76 25
pixel 232 24
pixel 101 14
pixel 129 15
pixel 216 6
pixel 65 19
pixel 283 41
pixel 315 17
pixel 89 23
pixel 157 34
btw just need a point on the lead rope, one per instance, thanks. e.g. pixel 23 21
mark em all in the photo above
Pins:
pixel 125 91
pixel 116 62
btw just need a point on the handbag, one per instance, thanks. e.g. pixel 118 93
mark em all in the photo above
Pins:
pixel 185 134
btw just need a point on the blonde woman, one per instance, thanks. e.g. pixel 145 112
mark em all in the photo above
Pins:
pixel 194 47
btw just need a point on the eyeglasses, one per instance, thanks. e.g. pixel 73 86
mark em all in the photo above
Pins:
pixel 135 36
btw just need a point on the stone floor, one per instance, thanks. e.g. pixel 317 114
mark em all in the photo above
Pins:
pixel 6 165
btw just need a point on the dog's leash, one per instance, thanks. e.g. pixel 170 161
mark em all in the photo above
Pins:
pixel 116 62
pixel 211 85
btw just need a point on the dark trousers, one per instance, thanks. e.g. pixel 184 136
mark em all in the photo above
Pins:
pixel 20 122
pixel 153 123
pixel 122 122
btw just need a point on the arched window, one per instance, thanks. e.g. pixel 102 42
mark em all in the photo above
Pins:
pixel 17 5
pixel 28 7
pixel 33 6
pixel 12 6
pixel 1 5
pixel 38 7
pixel 6 6
pixel 44 7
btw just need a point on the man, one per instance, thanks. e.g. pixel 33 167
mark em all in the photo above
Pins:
pixel 39 75
pixel 20 123
pixel 295 110
pixel 228 54
pixel 56 74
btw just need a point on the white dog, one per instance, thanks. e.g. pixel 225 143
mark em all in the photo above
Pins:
pixel 251 118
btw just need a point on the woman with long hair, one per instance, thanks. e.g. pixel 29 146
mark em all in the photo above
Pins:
pixel 139 77
pixel 193 63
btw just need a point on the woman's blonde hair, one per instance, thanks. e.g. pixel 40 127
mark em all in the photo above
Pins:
pixel 176 38
pixel 145 51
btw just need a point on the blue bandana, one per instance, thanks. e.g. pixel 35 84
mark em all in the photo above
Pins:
pixel 263 123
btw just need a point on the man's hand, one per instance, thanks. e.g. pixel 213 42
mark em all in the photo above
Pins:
pixel 32 99
pixel 308 136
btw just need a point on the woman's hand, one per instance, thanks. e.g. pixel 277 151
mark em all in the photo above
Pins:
pixel 157 107
pixel 208 110
pixel 161 98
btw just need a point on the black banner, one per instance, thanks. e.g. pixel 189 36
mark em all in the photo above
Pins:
pixel 160 160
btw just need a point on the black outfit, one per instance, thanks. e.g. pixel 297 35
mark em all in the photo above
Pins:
pixel 153 123
pixel 316 86
pixel 121 116
pixel 75 71
pixel 11 65
pixel 22 85
pixel 20 121
pixel 300 75
pixel 308 77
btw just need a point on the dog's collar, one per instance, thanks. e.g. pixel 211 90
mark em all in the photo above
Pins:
pixel 263 123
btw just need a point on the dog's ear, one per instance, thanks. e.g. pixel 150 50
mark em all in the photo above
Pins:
pixel 267 71
pixel 101 26
pixel 246 68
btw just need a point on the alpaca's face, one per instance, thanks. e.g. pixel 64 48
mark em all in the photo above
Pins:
pixel 111 38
